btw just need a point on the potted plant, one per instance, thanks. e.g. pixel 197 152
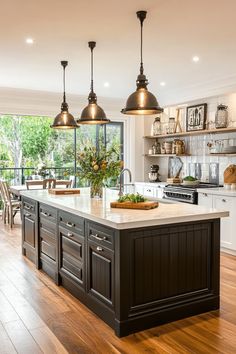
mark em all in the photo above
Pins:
pixel 98 167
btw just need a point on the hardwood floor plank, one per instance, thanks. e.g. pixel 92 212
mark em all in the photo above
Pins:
pixel 21 338
pixel 39 317
pixel 6 346
pixel 47 341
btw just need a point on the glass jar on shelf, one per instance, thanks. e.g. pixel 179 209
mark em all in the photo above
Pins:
pixel 221 118
pixel 156 148
pixel 156 126
pixel 171 125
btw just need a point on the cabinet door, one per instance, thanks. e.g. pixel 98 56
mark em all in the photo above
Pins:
pixel 29 228
pixel 149 191
pixel 228 224
pixel 159 191
pixel 205 199
pixel 139 188
pixel 100 273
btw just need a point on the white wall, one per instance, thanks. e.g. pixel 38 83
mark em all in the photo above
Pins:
pixel 196 145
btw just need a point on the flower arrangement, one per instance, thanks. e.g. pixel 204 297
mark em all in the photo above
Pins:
pixel 98 167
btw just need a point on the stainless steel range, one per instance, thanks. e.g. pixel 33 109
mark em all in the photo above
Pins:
pixel 184 193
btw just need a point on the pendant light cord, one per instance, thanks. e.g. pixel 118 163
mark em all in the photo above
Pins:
pixel 64 84
pixel 91 69
pixel 141 49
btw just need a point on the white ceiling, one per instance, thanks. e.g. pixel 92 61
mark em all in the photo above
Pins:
pixel 174 31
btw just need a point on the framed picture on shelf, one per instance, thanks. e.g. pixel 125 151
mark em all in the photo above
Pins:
pixel 196 117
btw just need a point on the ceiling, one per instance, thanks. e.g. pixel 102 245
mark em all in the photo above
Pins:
pixel 174 31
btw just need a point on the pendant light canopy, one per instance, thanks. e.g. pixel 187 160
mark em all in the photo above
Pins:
pixel 92 113
pixel 141 102
pixel 64 120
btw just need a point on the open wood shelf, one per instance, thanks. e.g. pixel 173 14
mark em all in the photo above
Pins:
pixel 193 133
pixel 165 155
pixel 223 154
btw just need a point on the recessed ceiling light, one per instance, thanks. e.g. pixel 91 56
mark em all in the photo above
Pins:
pixel 163 83
pixel 106 84
pixel 29 40
pixel 195 58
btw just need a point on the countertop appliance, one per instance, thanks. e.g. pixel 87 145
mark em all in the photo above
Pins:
pixel 186 194
pixel 153 175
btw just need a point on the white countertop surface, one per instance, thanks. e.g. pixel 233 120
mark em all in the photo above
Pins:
pixel 100 211
pixel 217 191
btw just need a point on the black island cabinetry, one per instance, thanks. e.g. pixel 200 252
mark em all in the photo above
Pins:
pixel 133 278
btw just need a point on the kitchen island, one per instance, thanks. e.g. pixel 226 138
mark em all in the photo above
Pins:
pixel 134 268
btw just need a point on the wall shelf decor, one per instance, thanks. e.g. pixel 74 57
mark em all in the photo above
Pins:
pixel 193 133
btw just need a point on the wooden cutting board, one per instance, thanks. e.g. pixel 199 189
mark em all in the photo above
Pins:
pixel 129 205
pixel 63 191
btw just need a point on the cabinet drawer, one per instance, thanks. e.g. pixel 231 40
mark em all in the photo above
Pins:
pixel 72 266
pixel 71 248
pixel 70 234
pixel 205 199
pixel 47 213
pixel 48 249
pixel 71 222
pixel 149 191
pixel 29 205
pixel 101 235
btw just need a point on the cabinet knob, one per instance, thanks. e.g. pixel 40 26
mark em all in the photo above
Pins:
pixel 27 215
pixel 224 200
pixel 99 249
pixel 70 234
pixel 205 194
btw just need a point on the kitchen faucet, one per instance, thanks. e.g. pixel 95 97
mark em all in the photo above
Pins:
pixel 121 191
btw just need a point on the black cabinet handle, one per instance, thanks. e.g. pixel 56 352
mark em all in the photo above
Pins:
pixel 69 224
pixel 99 238
pixel 224 200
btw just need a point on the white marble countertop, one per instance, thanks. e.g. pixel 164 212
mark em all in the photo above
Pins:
pixel 100 211
pixel 217 191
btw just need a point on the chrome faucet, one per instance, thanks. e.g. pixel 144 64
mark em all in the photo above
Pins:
pixel 121 191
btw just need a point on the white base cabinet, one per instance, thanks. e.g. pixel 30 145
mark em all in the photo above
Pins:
pixel 154 190
pixel 228 224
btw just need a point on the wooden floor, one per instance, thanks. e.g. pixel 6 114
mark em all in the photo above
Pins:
pixel 36 316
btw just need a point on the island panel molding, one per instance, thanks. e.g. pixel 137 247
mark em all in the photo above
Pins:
pixel 133 278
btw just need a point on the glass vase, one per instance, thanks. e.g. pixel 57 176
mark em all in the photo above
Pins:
pixel 96 190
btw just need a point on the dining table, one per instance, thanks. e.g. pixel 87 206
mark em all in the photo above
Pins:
pixel 17 189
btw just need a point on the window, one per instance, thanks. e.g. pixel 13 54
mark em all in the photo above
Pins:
pixel 28 141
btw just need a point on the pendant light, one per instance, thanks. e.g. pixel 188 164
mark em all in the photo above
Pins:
pixel 64 120
pixel 141 102
pixel 92 113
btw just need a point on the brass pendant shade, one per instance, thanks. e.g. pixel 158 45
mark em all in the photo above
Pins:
pixel 64 120
pixel 92 113
pixel 142 102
